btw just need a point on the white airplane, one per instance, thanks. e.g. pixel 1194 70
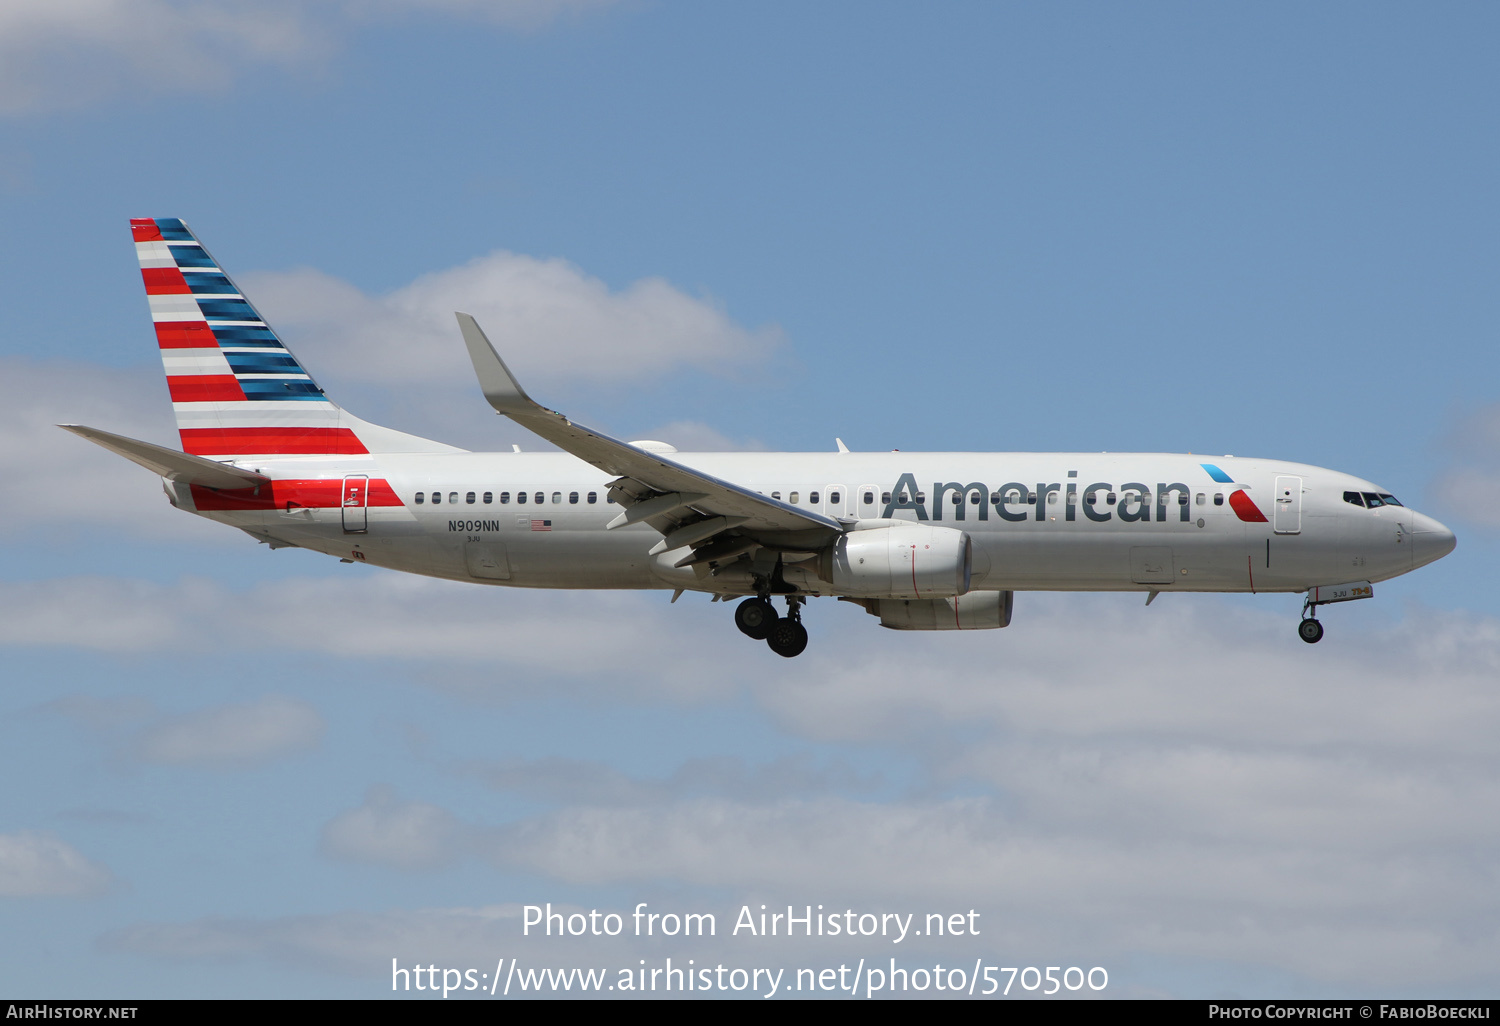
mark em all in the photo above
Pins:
pixel 923 541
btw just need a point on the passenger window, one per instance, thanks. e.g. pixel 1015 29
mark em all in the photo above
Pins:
pixel 1052 498
pixel 505 498
pixel 885 497
pixel 833 497
pixel 593 498
pixel 539 498
pixel 437 497
pixel 1202 498
pixel 869 498
pixel 421 496
pixel 905 497
pixel 1182 498
pixel 1109 500
pixel 776 496
pixel 573 498
pixel 1031 498
pixel 453 498
pixel 489 497
pixel 469 498
pixel 1218 498
pixel 958 500
pixel 921 497
pixel 812 498
pixel 793 498
pixel 974 499
pixel 609 499
pixel 521 498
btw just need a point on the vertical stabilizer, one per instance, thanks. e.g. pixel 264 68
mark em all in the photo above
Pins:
pixel 236 388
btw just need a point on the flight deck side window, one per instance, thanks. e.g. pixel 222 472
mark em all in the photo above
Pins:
pixel 469 498
pixel 505 498
pixel 422 496
pixel 1372 500
pixel 1218 498
pixel 1389 500
pixel 593 498
pixel 573 498
pixel 489 497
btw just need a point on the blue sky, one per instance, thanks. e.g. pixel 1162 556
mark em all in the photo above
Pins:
pixel 1167 227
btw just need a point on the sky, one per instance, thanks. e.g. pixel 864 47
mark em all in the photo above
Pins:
pixel 1266 230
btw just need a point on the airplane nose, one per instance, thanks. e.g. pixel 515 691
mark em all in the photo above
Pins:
pixel 1430 540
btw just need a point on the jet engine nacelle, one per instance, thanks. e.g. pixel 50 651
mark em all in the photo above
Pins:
pixel 901 561
pixel 976 611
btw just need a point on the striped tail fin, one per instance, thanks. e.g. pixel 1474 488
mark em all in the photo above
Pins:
pixel 236 388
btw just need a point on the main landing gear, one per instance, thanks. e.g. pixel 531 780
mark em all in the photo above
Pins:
pixel 757 618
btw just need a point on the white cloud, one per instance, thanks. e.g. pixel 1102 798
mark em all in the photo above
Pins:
pixel 236 735
pixel 63 53
pixel 1470 490
pixel 53 477
pixel 34 865
pixel 348 942
pixel 546 317
pixel 388 831
pixel 57 53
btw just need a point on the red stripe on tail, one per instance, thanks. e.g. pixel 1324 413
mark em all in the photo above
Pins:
pixel 205 388
pixel 289 441
pixel 185 335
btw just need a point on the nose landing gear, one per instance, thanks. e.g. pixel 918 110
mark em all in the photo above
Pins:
pixel 757 618
pixel 1310 630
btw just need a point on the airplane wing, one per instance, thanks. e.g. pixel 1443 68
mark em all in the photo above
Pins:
pixel 169 463
pixel 718 518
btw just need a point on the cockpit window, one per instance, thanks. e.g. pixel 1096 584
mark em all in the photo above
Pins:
pixel 1372 500
pixel 1389 500
pixel 1354 498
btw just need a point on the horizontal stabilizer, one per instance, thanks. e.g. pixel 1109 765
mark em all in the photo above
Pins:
pixel 169 463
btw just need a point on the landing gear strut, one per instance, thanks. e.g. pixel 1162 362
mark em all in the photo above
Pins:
pixel 757 618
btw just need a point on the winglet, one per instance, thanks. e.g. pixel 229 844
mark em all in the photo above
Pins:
pixel 499 385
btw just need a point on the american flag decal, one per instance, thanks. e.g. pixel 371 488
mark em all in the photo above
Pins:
pixel 541 525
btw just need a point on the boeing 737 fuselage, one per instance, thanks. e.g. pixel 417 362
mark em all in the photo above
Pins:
pixel 924 541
